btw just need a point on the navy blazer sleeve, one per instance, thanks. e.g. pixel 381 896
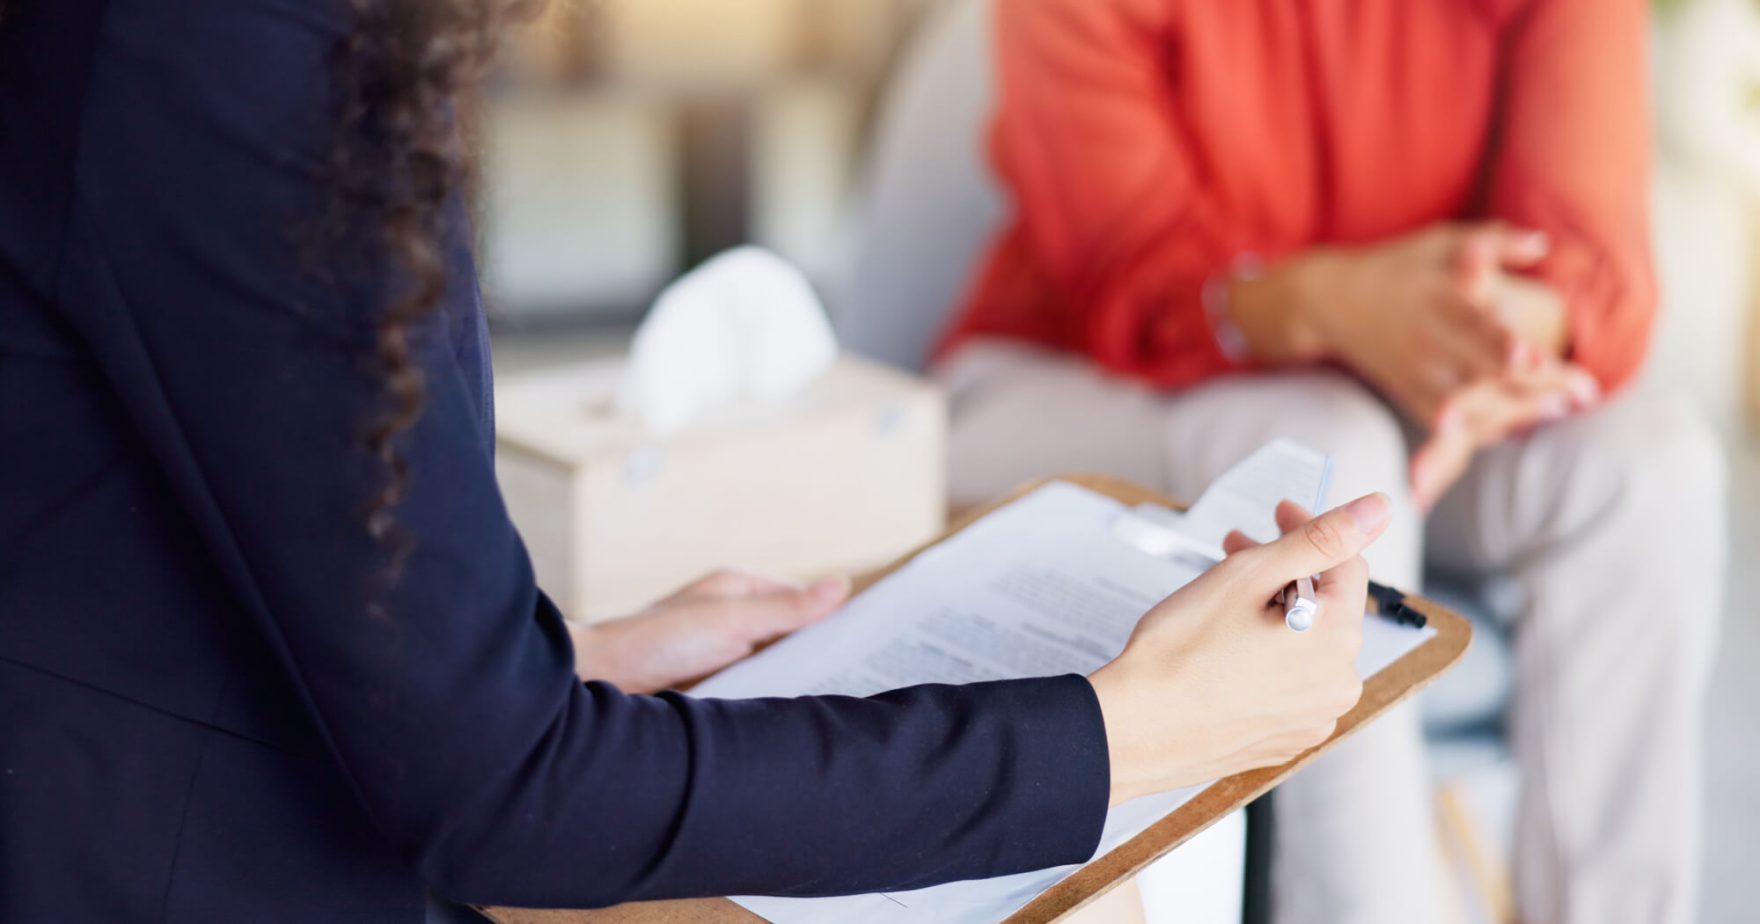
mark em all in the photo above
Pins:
pixel 455 713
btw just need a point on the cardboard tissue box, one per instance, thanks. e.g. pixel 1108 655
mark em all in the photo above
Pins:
pixel 839 477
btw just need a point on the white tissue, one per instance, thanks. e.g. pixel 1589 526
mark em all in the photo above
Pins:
pixel 743 326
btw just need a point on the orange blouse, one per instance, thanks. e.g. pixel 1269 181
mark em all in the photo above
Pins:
pixel 1149 143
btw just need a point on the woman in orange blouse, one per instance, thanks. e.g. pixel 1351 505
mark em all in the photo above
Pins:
pixel 1415 234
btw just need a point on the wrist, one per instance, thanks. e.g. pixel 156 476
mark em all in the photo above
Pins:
pixel 589 652
pixel 1277 312
pixel 1108 691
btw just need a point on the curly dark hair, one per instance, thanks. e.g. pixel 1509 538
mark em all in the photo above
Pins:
pixel 403 69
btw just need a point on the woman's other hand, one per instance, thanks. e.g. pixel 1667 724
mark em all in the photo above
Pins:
pixel 699 630
pixel 1212 682
pixel 1487 413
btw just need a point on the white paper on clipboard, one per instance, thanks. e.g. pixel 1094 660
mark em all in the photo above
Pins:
pixel 1045 585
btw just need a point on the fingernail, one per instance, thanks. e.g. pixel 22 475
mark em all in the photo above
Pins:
pixel 1370 512
pixel 830 588
pixel 1555 407
pixel 1536 243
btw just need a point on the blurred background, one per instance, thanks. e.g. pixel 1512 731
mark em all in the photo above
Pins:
pixel 629 140
pixel 632 140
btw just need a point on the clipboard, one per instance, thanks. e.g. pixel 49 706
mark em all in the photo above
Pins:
pixel 1394 684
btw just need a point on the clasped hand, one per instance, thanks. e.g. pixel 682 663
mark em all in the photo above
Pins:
pixel 1441 322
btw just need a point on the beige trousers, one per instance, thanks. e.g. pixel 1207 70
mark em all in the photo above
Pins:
pixel 1610 525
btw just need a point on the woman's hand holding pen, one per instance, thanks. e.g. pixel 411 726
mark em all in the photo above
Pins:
pixel 1212 683
pixel 699 630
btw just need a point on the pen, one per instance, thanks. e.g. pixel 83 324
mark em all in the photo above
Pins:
pixel 1392 604
pixel 1300 605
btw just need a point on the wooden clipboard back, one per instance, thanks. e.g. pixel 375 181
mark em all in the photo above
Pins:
pixel 1396 683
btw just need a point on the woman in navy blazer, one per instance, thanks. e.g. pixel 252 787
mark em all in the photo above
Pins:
pixel 229 694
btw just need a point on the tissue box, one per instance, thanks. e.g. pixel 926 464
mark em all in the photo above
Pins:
pixel 842 477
